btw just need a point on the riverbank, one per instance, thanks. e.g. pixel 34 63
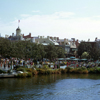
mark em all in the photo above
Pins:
pixel 29 72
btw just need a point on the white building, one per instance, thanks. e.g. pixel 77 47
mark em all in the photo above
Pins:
pixel 46 40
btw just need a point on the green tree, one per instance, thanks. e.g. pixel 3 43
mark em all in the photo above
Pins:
pixel 85 55
pixel 5 47
pixel 51 53
pixel 84 47
pixel 60 52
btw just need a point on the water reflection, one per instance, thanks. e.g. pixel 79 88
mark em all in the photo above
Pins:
pixel 55 87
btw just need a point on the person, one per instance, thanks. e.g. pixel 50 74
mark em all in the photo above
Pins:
pixel 4 65
pixel 67 63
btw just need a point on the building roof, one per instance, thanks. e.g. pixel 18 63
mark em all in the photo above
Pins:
pixel 27 36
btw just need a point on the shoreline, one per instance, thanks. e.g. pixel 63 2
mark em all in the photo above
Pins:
pixel 29 72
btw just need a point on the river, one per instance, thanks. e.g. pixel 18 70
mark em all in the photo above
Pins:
pixel 51 87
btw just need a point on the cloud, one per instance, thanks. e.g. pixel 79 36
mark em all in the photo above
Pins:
pixel 96 16
pixel 60 24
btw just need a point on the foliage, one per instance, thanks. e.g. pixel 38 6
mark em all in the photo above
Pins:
pixel 26 49
pixel 85 55
pixel 91 48
pixel 34 72
pixel 63 71
pixel 1 71
pixel 29 74
pixel 45 67
pixel 21 69
pixel 84 47
pixel 22 75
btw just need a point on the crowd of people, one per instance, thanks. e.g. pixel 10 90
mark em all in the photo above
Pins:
pixel 13 62
pixel 75 64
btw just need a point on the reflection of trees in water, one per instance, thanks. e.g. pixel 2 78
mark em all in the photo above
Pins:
pixel 18 84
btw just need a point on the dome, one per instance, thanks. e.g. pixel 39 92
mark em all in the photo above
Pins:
pixel 18 28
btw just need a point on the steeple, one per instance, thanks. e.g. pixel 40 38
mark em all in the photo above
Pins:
pixel 18 30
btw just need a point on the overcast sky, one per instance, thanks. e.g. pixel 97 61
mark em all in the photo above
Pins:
pixel 79 19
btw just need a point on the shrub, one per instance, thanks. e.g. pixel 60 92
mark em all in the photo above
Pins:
pixel 73 70
pixel 45 67
pixel 29 74
pixel 79 70
pixel 22 75
pixel 92 70
pixel 29 69
pixel 57 72
pixel 68 69
pixel 1 71
pixel 47 72
pixel 21 69
pixel 63 71
pixel 98 70
pixel 85 71
pixel 34 72
pixel 52 72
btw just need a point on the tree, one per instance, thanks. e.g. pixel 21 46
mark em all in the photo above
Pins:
pixel 84 47
pixel 85 55
pixel 60 52
pixel 95 53
pixel 5 47
pixel 51 53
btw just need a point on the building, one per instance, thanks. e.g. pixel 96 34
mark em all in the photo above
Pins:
pixel 69 45
pixel 16 37
pixel 46 40
pixel 20 36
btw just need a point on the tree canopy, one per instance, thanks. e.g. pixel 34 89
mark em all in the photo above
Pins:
pixel 93 51
pixel 26 49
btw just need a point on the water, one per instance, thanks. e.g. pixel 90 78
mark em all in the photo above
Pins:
pixel 51 87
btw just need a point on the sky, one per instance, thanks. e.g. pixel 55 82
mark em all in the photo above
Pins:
pixel 79 19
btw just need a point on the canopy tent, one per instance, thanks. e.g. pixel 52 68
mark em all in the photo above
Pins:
pixel 76 59
pixel 72 57
pixel 84 59
pixel 67 59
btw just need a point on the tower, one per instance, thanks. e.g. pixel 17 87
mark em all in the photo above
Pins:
pixel 18 30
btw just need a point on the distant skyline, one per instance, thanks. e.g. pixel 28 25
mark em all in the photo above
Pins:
pixel 79 19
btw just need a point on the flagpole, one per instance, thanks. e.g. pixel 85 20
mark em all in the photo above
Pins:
pixel 18 23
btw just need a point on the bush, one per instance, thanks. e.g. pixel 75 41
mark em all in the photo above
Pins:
pixel 29 74
pixel 57 72
pixel 1 71
pixel 45 67
pixel 34 72
pixel 63 71
pixel 29 69
pixel 21 69
pixel 98 70
pixel 85 71
pixel 68 69
pixel 92 70
pixel 22 75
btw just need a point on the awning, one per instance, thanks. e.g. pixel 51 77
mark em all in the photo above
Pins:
pixel 72 57
pixel 83 59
